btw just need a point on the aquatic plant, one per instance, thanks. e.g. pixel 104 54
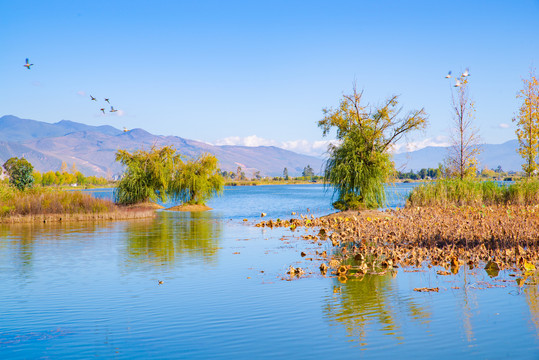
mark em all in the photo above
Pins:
pixel 507 236
pixel 446 192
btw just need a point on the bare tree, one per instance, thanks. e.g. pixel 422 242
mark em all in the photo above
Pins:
pixel 461 160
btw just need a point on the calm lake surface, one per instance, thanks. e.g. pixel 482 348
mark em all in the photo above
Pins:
pixel 85 290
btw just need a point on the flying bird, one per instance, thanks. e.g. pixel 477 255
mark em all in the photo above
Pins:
pixel 93 98
pixel 466 73
pixel 112 109
pixel 457 84
pixel 448 75
pixel 107 100
pixel 27 65
pixel 103 110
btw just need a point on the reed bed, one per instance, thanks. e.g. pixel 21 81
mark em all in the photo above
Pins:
pixel 448 192
pixel 43 201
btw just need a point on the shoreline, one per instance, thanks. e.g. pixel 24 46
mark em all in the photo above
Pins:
pixel 139 211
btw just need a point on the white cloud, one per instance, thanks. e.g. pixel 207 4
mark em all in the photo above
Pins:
pixel 504 125
pixel 81 93
pixel 319 148
pixel 313 148
pixel 417 145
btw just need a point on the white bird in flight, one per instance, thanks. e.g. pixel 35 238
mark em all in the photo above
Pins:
pixel 448 75
pixel 466 73
pixel 27 65
pixel 457 84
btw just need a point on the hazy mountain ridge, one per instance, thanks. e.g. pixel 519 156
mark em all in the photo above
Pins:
pixel 492 156
pixel 93 148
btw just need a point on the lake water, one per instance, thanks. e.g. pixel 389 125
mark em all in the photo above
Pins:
pixel 87 290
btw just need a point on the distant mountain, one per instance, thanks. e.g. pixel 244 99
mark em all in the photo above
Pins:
pixel 92 148
pixel 492 156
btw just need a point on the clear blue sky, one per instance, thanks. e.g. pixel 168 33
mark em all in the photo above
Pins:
pixel 211 70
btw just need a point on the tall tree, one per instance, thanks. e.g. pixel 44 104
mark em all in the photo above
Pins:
pixel 528 123
pixel 461 160
pixel 361 163
pixel 285 174
pixel 308 171
pixel 19 172
pixel 63 168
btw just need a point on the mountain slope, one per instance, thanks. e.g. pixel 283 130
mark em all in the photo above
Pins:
pixel 93 148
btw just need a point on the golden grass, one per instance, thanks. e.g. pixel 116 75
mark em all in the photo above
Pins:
pixel 45 204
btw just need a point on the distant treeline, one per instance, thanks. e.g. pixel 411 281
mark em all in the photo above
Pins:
pixel 423 174
pixel 65 177
pixel 239 175
pixel 437 173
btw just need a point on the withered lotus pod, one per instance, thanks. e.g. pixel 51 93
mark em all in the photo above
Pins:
pixel 323 268
pixel 342 270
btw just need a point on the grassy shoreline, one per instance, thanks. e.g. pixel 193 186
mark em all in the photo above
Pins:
pixel 52 205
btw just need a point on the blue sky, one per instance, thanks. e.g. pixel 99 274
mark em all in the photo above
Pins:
pixel 254 72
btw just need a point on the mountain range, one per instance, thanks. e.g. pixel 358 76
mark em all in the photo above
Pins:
pixel 491 156
pixel 93 148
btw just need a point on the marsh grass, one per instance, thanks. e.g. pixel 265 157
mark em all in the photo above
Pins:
pixel 40 201
pixel 446 192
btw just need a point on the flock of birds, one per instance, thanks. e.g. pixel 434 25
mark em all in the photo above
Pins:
pixel 466 73
pixel 112 109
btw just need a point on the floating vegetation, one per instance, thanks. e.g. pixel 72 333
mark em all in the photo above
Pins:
pixel 497 237
pixel 425 289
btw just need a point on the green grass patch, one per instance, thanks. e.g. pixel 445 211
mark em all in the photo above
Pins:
pixel 446 192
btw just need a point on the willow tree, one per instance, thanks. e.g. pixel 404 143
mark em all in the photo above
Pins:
pixel 360 163
pixel 161 174
pixel 461 160
pixel 196 181
pixel 147 174
pixel 528 123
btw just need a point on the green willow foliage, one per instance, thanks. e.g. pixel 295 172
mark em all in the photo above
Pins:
pixel 360 164
pixel 197 181
pixel 357 173
pixel 160 174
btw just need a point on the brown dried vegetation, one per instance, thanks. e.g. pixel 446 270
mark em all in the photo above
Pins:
pixel 494 237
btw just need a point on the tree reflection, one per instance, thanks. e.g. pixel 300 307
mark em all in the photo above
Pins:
pixel 531 292
pixel 160 240
pixel 369 302
pixel 19 240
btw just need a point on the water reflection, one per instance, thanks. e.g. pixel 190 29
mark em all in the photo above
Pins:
pixel 21 242
pixel 372 302
pixel 161 240
pixel 531 291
